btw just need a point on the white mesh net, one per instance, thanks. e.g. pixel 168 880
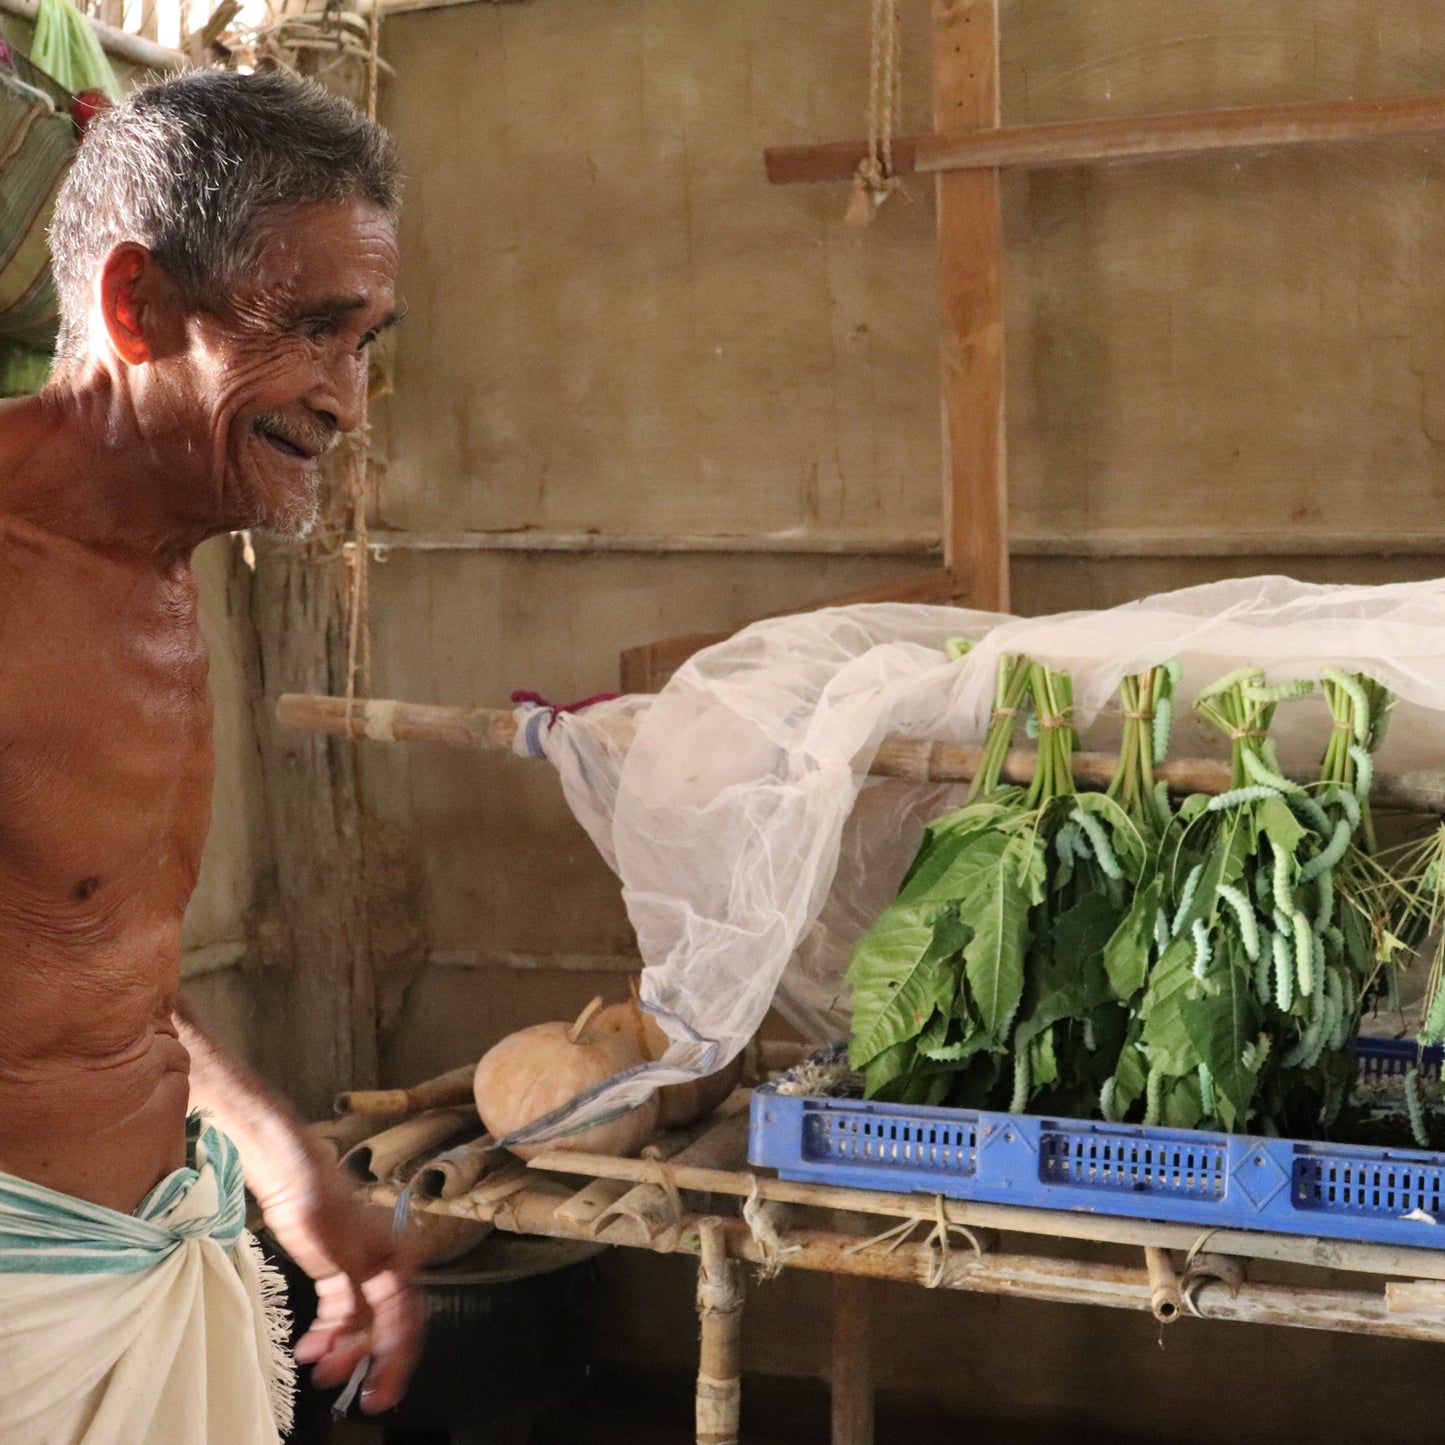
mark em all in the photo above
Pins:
pixel 752 845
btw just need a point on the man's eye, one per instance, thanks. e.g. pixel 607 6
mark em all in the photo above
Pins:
pixel 316 330
pixel 367 340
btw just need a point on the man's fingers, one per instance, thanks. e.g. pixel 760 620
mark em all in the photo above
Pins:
pixel 341 1358
pixel 397 1315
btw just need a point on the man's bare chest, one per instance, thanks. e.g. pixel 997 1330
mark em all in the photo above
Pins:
pixel 105 726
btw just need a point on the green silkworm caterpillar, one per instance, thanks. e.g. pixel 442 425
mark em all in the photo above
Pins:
pixel 1229 680
pixel 1106 1100
pixel 1304 806
pixel 1307 1044
pixel 1434 1028
pixel 1161 798
pixel 1021 1083
pixel 1263 983
pixel 1265 695
pixel 1186 897
pixel 1264 889
pixel 1364 772
pixel 1304 952
pixel 1202 952
pixel 1248 928
pixel 1348 803
pixel 1103 850
pixel 1334 939
pixel 1325 913
pixel 1283 891
pixel 1415 1107
pixel 1265 776
pixel 1163 722
pixel 1324 1024
pixel 1089 1043
pixel 1174 671
pixel 957 647
pixel 1283 973
pixel 1331 854
pixel 1353 689
pixel 1153 1096
pixel 1252 1056
pixel 1161 930
pixel 1064 841
pixel 1031 726
pixel 1206 1089
pixel 1235 797
pixel 1339 1015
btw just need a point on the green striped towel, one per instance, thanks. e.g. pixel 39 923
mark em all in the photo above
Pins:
pixel 45 1232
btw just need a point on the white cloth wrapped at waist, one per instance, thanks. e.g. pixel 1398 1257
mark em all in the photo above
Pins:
pixel 164 1326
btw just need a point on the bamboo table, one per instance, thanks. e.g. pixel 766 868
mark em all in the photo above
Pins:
pixel 693 1193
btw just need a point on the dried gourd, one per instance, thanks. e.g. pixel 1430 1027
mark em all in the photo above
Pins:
pixel 536 1070
pixel 683 1103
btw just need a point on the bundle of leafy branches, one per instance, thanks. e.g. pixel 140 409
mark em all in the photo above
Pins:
pixel 1102 954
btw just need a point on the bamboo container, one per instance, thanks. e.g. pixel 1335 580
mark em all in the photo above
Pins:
pixel 446 1090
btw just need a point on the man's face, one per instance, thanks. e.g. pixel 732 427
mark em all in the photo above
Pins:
pixel 278 372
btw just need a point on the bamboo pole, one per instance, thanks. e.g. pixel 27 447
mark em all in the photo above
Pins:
pixel 852 1364
pixel 383 1154
pixel 451 1088
pixel 1164 1297
pixel 536 1210
pixel 120 43
pixel 1141 137
pixel 913 758
pixel 720 1311
pixel 1335 1254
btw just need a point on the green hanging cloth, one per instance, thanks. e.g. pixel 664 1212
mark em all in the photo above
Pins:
pixel 67 50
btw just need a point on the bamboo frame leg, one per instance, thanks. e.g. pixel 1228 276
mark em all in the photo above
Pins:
pixel 852 1364
pixel 720 1310
pixel 1164 1297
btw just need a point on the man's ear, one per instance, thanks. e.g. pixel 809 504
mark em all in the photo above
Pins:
pixel 137 304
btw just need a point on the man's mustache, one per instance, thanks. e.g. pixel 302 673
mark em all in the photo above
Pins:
pixel 311 435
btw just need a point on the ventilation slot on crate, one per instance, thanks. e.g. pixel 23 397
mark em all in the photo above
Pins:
pixel 841 1136
pixel 1391 1188
pixel 1137 1166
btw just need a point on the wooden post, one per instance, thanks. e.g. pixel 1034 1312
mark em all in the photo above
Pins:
pixel 720 1309
pixel 852 1363
pixel 970 288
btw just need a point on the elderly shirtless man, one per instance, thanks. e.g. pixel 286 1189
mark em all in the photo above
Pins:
pixel 225 253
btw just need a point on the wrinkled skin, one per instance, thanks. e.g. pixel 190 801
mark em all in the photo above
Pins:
pixel 178 424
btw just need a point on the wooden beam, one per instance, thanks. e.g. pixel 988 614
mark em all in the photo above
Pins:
pixel 970 290
pixel 794 542
pixel 954 146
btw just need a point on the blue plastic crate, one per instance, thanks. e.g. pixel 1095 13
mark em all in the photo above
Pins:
pixel 1185 1176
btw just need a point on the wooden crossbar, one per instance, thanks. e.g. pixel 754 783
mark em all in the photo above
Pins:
pixel 1141 137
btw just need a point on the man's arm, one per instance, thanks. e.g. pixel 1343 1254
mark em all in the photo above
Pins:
pixel 362 1273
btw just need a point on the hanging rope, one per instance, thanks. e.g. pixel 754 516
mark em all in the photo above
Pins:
pixel 874 179
pixel 358 631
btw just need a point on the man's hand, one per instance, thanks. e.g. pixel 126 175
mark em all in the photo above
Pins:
pixel 366 1303
pixel 363 1275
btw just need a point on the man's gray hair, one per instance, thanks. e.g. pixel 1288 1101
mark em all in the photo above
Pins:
pixel 192 167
